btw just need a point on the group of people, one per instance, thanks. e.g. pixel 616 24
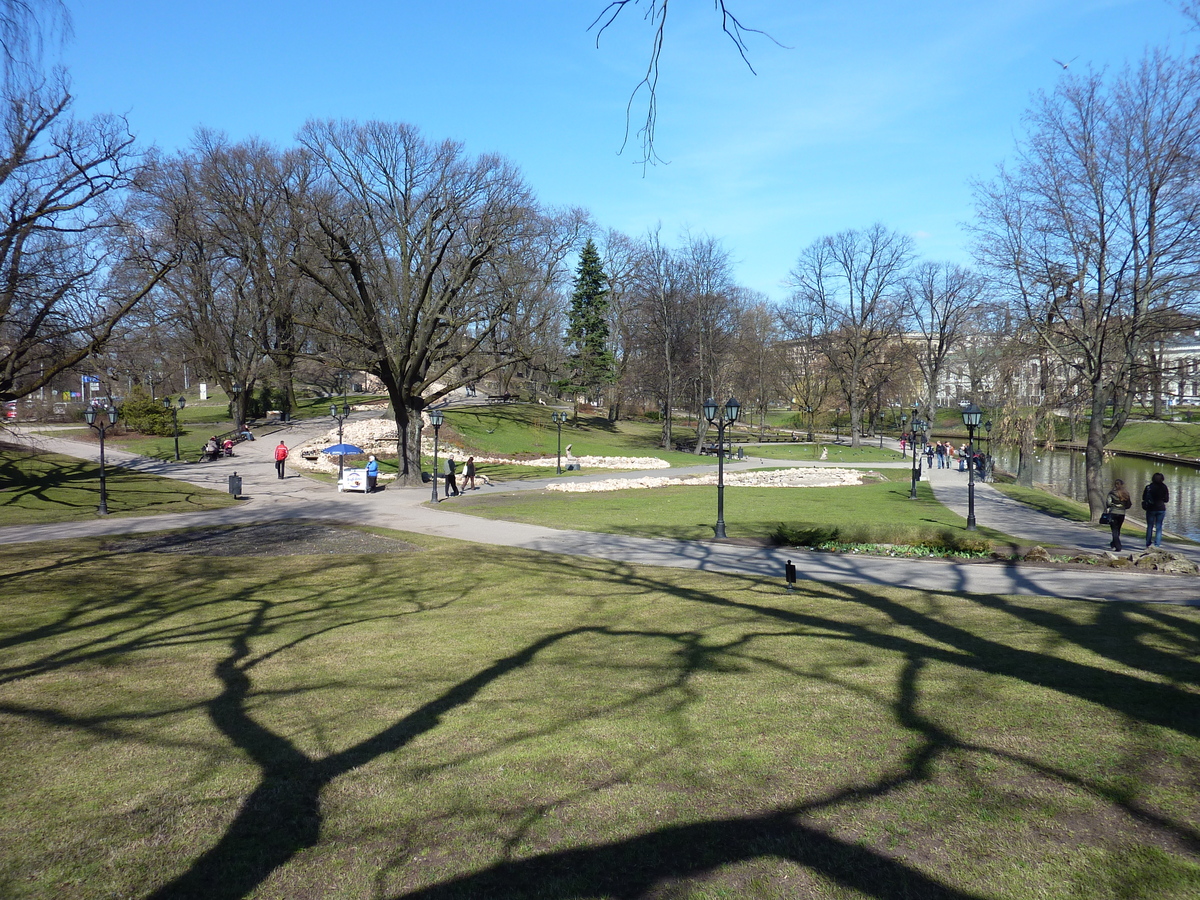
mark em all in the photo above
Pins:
pixel 451 470
pixel 1155 497
pixel 215 447
pixel 944 454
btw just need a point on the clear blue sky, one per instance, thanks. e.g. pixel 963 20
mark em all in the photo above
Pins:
pixel 878 111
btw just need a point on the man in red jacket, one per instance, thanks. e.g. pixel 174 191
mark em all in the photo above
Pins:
pixel 281 453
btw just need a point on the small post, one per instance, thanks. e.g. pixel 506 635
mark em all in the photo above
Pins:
pixel 789 574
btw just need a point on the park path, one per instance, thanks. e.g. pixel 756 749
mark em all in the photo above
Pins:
pixel 297 498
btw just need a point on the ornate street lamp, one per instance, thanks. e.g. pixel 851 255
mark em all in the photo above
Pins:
pixel 918 435
pixel 903 429
pixel 436 417
pixel 722 417
pixel 237 409
pixel 175 418
pixel 559 418
pixel 972 416
pixel 91 416
pixel 341 417
pixel 809 410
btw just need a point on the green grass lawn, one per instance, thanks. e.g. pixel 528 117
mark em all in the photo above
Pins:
pixel 438 720
pixel 878 512
pixel 510 429
pixel 43 488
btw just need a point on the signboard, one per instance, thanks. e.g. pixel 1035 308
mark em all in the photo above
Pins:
pixel 203 390
pixel 353 480
pixel 90 379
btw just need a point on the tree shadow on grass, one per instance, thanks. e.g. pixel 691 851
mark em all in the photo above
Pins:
pixel 282 815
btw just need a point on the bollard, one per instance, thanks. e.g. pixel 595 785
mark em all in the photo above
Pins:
pixel 789 573
pixel 235 485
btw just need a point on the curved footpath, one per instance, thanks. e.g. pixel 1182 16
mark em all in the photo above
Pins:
pixel 299 498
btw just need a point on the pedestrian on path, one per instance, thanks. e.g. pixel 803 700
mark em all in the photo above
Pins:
pixel 372 474
pixel 451 483
pixel 1118 501
pixel 1154 502
pixel 469 474
pixel 281 455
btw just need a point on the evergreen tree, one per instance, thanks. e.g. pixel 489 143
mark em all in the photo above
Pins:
pixel 590 361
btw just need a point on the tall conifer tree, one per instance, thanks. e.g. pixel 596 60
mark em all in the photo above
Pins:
pixel 590 361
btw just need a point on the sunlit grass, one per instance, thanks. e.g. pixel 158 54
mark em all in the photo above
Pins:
pixel 43 488
pixel 458 721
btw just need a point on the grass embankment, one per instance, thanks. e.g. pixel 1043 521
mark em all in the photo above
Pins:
pixel 44 488
pixel 514 429
pixel 873 513
pixel 456 722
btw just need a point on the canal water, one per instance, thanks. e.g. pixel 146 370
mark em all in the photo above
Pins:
pixel 1064 470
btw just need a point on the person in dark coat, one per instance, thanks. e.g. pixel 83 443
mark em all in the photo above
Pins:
pixel 1154 502
pixel 451 483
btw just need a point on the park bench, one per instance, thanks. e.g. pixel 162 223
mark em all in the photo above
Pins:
pixel 236 436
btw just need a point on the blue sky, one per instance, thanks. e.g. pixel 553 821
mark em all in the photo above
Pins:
pixel 876 111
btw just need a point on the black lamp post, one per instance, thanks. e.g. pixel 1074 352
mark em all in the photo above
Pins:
pixel 559 418
pixel 972 416
pixel 722 417
pixel 341 417
pixel 91 416
pixel 809 410
pixel 436 417
pixel 918 432
pixel 175 419
pixel 903 429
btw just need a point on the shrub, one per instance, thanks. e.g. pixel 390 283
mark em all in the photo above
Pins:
pixel 145 415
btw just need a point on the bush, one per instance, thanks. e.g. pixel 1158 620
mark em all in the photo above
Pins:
pixel 898 541
pixel 145 415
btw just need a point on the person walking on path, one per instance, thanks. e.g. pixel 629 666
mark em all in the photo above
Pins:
pixel 1154 502
pixel 1118 501
pixel 281 454
pixel 451 483
pixel 372 474
pixel 941 455
pixel 469 474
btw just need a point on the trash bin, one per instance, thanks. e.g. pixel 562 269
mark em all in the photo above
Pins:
pixel 235 484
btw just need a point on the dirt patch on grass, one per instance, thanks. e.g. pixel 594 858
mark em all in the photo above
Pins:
pixel 270 539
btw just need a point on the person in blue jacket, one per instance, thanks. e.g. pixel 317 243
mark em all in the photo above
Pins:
pixel 372 474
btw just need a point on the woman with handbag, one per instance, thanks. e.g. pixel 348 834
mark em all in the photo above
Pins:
pixel 1114 511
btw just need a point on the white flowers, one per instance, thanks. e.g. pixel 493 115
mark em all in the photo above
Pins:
pixel 793 477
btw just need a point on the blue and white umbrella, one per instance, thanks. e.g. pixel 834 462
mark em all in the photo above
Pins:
pixel 343 450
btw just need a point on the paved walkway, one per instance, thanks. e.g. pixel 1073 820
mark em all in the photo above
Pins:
pixel 299 498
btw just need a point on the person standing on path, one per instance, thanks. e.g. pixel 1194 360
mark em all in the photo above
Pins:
pixel 1154 502
pixel 281 454
pixel 372 473
pixel 941 455
pixel 469 474
pixel 1118 501
pixel 451 484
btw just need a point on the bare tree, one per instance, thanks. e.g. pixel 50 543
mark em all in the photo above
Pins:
pixel 848 285
pixel 226 208
pixel 656 16
pixel 65 237
pixel 25 27
pixel 414 243
pixel 940 298
pixel 1096 233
